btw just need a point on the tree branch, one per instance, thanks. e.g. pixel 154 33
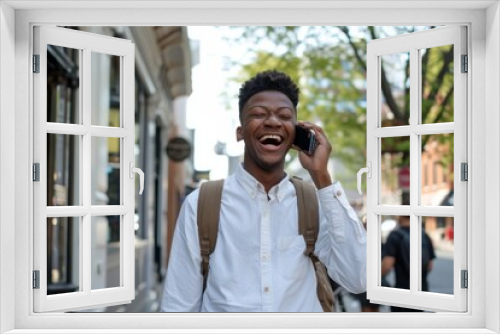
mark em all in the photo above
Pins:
pixel 361 61
pixel 447 59
pixel 386 87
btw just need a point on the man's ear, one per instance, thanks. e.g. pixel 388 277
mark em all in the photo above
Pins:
pixel 239 133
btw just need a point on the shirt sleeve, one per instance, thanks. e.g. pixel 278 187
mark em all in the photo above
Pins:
pixel 183 285
pixel 341 244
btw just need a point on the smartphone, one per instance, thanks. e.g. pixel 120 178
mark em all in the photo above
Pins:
pixel 304 139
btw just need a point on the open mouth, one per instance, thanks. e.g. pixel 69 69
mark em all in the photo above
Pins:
pixel 271 141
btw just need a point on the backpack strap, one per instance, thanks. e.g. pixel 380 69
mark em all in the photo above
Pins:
pixel 209 202
pixel 308 213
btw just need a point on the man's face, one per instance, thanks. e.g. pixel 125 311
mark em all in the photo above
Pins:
pixel 268 128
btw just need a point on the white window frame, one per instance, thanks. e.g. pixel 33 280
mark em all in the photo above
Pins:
pixel 413 43
pixel 86 44
pixel 17 19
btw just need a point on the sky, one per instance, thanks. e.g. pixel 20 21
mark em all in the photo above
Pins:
pixel 206 108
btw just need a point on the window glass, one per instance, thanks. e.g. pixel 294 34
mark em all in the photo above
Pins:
pixel 105 90
pixel 106 252
pixel 63 255
pixel 106 172
pixel 437 254
pixel 63 81
pixel 395 250
pixel 395 171
pixel 395 89
pixel 63 170
pixel 437 170
pixel 437 84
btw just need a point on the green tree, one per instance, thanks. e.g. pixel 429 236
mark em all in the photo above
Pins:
pixel 329 64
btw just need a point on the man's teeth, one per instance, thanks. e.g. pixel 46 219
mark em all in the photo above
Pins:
pixel 277 138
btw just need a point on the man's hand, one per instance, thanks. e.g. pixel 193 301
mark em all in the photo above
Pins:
pixel 317 163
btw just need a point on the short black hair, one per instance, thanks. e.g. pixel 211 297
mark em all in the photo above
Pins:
pixel 268 80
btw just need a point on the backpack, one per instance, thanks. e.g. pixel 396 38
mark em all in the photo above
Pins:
pixel 404 248
pixel 209 201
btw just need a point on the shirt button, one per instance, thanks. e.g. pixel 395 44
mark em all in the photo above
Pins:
pixel 339 193
pixel 264 258
pixel 266 289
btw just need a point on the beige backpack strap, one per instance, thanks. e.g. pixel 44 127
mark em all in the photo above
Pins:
pixel 308 212
pixel 209 202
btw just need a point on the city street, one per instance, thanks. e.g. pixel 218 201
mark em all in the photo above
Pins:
pixel 441 277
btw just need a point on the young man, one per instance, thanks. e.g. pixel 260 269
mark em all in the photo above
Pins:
pixel 258 264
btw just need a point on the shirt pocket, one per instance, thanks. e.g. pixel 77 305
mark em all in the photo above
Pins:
pixel 292 262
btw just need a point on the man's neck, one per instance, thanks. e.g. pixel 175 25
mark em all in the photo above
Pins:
pixel 267 178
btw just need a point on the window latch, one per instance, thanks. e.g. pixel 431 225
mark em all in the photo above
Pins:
pixel 134 170
pixel 368 171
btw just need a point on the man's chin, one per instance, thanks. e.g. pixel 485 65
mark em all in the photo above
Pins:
pixel 272 164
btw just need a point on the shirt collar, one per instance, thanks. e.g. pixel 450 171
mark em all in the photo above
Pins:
pixel 252 186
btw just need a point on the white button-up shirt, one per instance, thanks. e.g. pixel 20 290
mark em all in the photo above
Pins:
pixel 258 264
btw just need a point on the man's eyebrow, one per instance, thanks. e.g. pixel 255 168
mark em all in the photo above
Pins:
pixel 267 107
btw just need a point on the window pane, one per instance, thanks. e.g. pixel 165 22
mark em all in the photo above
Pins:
pixel 395 89
pixel 105 89
pixel 437 84
pixel 437 170
pixel 63 81
pixel 63 170
pixel 106 173
pixel 395 249
pixel 106 249
pixel 439 243
pixel 395 171
pixel 63 255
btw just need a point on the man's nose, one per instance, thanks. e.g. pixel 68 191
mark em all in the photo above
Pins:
pixel 273 120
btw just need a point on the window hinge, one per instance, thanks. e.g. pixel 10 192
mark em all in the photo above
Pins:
pixel 36 172
pixel 465 279
pixel 36 279
pixel 36 63
pixel 465 64
pixel 464 171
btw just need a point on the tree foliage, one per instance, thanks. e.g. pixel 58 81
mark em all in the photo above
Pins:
pixel 329 65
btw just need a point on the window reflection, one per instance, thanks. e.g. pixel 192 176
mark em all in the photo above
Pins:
pixel 437 170
pixel 395 89
pixel 395 171
pixel 63 249
pixel 63 81
pixel 437 66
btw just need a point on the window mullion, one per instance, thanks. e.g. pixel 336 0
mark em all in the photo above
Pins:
pixel 415 84
pixel 86 243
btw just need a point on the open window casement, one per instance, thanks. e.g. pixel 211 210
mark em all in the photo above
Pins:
pixel 83 170
pixel 405 144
